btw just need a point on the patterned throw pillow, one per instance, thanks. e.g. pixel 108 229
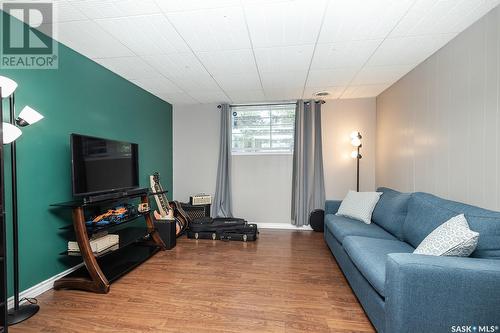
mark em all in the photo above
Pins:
pixel 359 205
pixel 452 238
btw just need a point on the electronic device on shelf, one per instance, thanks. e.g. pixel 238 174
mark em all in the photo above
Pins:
pixel 143 207
pixel 103 169
pixel 200 199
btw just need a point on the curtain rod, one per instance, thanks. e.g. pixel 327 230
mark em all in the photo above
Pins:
pixel 266 104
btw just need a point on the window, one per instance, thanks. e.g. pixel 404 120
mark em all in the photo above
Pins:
pixel 263 129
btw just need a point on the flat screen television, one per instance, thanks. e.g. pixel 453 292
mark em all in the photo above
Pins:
pixel 101 165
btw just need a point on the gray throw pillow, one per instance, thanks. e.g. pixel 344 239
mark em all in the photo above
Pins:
pixel 359 205
pixel 452 238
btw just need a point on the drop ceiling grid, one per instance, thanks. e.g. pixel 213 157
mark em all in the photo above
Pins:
pixel 196 51
pixel 157 84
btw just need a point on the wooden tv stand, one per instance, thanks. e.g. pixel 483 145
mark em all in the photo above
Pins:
pixel 101 269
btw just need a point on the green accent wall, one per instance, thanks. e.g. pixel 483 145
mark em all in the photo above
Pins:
pixel 79 97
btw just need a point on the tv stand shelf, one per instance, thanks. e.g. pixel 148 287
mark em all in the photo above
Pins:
pixel 136 245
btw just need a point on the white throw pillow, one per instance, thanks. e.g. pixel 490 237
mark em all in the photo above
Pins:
pixel 359 205
pixel 452 238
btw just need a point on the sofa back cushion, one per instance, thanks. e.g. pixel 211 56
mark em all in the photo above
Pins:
pixel 391 209
pixel 426 212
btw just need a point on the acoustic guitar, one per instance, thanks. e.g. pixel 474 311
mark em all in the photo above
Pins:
pixel 168 210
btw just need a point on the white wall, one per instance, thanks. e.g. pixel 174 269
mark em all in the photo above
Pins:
pixel 262 183
pixel 262 187
pixel 196 149
pixel 438 126
pixel 339 119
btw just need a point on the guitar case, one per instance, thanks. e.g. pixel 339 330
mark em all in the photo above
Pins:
pixel 222 229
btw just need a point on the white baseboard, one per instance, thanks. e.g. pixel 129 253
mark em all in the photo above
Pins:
pixel 41 287
pixel 286 226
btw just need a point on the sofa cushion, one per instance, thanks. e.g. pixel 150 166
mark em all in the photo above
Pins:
pixel 341 227
pixel 391 209
pixel 422 218
pixel 426 212
pixel 369 255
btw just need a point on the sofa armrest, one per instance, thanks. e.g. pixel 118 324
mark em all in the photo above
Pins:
pixel 332 206
pixel 433 294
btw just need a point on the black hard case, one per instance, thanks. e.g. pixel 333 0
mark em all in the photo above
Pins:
pixel 223 229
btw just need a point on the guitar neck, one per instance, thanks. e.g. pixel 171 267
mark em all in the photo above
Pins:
pixel 162 197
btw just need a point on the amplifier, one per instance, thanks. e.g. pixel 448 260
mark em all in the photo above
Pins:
pixel 196 211
pixel 200 199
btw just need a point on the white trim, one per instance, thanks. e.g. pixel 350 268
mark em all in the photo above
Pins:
pixel 41 287
pixel 286 226
pixel 260 153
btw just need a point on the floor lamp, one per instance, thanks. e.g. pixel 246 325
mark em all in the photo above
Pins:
pixel 356 143
pixel 27 117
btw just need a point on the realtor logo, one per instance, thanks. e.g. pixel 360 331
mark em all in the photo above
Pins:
pixel 27 36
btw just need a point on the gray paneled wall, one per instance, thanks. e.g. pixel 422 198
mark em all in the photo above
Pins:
pixel 438 127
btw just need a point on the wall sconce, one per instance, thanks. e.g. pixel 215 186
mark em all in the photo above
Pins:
pixel 356 142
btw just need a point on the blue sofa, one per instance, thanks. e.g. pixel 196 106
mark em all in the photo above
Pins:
pixel 405 292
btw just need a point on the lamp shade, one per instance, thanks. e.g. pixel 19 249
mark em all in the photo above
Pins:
pixel 355 134
pixel 354 154
pixel 356 142
pixel 28 116
pixel 8 86
pixel 10 133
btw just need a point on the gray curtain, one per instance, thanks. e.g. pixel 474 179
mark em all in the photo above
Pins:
pixel 223 203
pixel 308 185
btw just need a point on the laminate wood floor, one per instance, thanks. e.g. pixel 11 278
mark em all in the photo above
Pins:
pixel 287 281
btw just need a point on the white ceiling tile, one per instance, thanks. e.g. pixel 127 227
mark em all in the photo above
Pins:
pixel 283 80
pixel 440 17
pixel 157 85
pixel 65 12
pixel 335 92
pixel 381 74
pixel 247 96
pixel 98 9
pixel 129 67
pixel 87 38
pixel 243 81
pixel 331 77
pixel 363 91
pixel 285 58
pixel 343 54
pixel 348 20
pixel 282 23
pixel 184 69
pixel 212 29
pixel 207 96
pixel 230 61
pixel 169 6
pixel 177 98
pixel 408 50
pixel 284 94
pixel 145 35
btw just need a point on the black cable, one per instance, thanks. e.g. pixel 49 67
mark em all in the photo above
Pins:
pixel 31 300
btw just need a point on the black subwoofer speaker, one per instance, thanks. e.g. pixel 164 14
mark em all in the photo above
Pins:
pixel 317 220
pixel 166 230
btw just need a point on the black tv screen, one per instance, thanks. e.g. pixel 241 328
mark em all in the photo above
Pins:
pixel 101 165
